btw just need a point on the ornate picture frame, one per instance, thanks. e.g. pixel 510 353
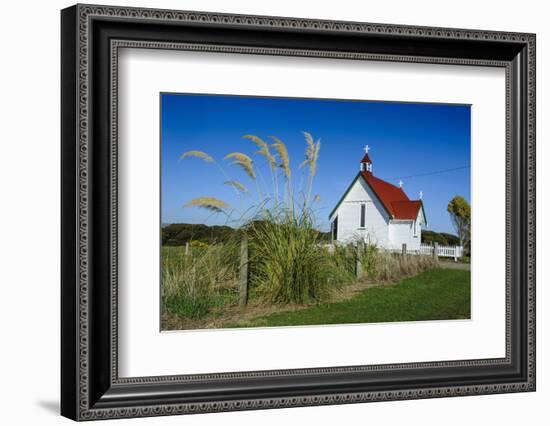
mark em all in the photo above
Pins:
pixel 91 37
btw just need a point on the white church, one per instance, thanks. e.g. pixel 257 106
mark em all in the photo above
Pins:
pixel 378 212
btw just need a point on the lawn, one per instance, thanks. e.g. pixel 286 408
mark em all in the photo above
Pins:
pixel 438 294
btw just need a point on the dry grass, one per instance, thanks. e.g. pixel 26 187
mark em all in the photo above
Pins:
pixel 392 266
pixel 264 150
pixel 312 153
pixel 198 154
pixel 243 161
pixel 209 203
pixel 282 152
pixel 237 185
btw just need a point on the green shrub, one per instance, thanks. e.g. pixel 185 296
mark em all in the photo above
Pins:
pixel 198 244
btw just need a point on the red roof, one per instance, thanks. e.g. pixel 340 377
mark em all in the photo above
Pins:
pixel 366 159
pixel 393 198
pixel 406 209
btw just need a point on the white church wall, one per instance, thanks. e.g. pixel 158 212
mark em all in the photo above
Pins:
pixel 349 216
pixel 401 232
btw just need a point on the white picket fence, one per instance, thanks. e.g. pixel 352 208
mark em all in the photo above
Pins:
pixel 443 251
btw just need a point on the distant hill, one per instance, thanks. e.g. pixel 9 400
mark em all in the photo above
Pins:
pixel 177 234
pixel 429 237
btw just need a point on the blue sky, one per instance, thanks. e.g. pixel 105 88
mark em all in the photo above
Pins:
pixel 406 139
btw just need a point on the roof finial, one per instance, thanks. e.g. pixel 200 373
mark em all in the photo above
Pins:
pixel 400 183
pixel 420 195
pixel 366 148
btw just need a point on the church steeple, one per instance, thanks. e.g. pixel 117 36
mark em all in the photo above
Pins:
pixel 366 163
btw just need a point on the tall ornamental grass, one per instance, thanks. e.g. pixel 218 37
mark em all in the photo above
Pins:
pixel 287 262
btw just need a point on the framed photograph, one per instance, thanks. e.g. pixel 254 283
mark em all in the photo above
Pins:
pixel 263 212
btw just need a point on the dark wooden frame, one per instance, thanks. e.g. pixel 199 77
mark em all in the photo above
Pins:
pixel 90 386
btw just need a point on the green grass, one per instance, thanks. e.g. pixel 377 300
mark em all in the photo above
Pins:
pixel 438 294
pixel 195 283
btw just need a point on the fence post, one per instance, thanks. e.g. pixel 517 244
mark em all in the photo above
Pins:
pixel 403 250
pixel 186 252
pixel 358 264
pixel 455 253
pixel 436 249
pixel 243 272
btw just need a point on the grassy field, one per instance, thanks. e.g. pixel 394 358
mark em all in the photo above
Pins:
pixel 200 289
pixel 438 294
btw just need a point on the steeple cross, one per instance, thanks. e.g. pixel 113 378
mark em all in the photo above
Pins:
pixel 366 148
pixel 400 183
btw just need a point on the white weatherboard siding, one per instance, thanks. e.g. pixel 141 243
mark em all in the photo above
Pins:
pixel 349 216
pixel 402 232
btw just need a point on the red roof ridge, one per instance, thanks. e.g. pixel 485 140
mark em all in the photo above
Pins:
pixel 393 198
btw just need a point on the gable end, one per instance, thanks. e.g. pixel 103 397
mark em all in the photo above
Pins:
pixel 349 189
